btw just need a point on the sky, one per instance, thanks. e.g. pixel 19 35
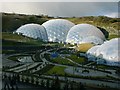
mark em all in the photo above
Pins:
pixel 63 9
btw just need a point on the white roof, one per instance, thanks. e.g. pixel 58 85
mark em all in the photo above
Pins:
pixel 108 51
pixel 92 50
pixel 35 31
pixel 57 29
pixel 92 39
pixel 78 32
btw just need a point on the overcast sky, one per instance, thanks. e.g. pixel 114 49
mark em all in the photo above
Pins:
pixel 64 9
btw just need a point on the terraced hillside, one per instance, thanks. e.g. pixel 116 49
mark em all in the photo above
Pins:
pixel 10 22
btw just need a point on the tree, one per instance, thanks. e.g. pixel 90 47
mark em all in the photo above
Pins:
pixel 53 85
pixel 48 83
pixel 32 80
pixel 42 83
pixel 71 86
pixel 37 81
pixel 81 87
pixel 27 80
pixel 66 86
pixel 57 83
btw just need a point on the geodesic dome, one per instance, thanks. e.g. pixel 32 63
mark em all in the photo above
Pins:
pixel 35 31
pixel 78 32
pixel 91 53
pixel 57 29
pixel 107 52
pixel 92 39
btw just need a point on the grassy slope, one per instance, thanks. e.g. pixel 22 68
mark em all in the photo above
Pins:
pixel 77 59
pixel 10 39
pixel 84 47
pixel 113 36
pixel 13 21
pixel 60 60
pixel 56 70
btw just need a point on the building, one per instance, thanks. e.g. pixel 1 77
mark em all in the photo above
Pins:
pixel 107 53
pixel 35 31
pixel 85 32
pixel 61 30
pixel 57 29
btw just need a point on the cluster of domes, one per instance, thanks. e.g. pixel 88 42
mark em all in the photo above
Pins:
pixel 61 30
pixel 107 53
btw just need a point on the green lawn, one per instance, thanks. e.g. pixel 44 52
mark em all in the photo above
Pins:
pixel 60 60
pixel 14 39
pixel 45 69
pixel 59 70
pixel 77 59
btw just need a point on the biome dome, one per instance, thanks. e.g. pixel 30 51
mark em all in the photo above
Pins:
pixel 57 29
pixel 35 31
pixel 91 53
pixel 92 39
pixel 107 52
pixel 78 32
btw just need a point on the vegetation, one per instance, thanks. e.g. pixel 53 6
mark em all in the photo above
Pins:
pixel 15 58
pixel 45 69
pixel 60 60
pixel 77 59
pixel 107 23
pixel 56 70
pixel 113 36
pixel 13 21
pixel 84 47
pixel 10 39
pixel 106 67
pixel 37 57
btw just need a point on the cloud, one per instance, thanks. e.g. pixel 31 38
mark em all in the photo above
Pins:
pixel 62 8
pixel 113 15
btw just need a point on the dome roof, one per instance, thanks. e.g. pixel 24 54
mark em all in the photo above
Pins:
pixel 92 50
pixel 35 31
pixel 92 39
pixel 108 51
pixel 91 53
pixel 78 32
pixel 57 29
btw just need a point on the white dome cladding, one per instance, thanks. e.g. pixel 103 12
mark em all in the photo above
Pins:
pixel 92 39
pixel 78 32
pixel 109 52
pixel 57 29
pixel 35 31
pixel 91 53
